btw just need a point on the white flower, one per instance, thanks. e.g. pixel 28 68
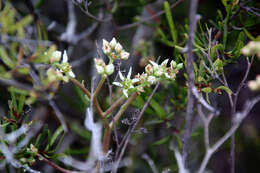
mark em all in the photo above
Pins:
pixel 151 79
pixel 100 66
pixel 113 43
pixel 118 47
pixel 65 66
pixel 109 69
pixel 56 56
pixel 127 83
pixel 124 55
pixel 71 74
pixel 149 69
pixel 106 47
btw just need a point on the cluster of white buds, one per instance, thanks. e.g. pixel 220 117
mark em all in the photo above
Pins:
pixel 102 68
pixel 114 50
pixel 59 71
pixel 254 85
pixel 153 74
pixel 252 48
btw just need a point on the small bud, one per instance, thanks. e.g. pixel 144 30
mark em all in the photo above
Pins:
pixel 118 47
pixel 173 64
pixel 179 66
pixel 106 47
pixel 124 55
pixel 253 85
pixel 109 69
pixel 149 69
pixel 113 43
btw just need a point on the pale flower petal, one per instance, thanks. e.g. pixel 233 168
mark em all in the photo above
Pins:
pixel 118 48
pixel 117 84
pixel 71 74
pixel 109 69
pixel 153 63
pixel 135 80
pixel 113 43
pixel 129 73
pixel 164 63
pixel 121 76
pixel 125 93
pixel 65 57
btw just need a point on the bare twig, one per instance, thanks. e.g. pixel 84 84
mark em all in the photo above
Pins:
pixel 190 73
pixel 150 162
pixel 58 114
pixel 238 118
pixel 133 128
pixel 131 25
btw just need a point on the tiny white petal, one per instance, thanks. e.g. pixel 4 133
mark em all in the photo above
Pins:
pixel 131 86
pixel 135 80
pixel 164 63
pixel 129 73
pixel 121 76
pixel 118 48
pixel 167 75
pixel 117 84
pixel 65 57
pixel 153 63
pixel 71 74
pixel 125 93
pixel 113 43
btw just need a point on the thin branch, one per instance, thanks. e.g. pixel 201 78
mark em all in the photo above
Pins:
pixel 114 105
pixel 131 25
pixel 190 72
pixel 8 82
pixel 239 117
pixel 133 128
pixel 58 114
pixel 150 162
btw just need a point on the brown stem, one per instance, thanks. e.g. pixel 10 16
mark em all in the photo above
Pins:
pixel 122 110
pixel 114 105
pixel 54 165
pixel 86 91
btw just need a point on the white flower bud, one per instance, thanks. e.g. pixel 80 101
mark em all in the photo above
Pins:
pixel 253 85
pixel 173 64
pixel 56 56
pixel 149 69
pixel 113 43
pixel 109 69
pixel 118 47
pixel 106 47
pixel 124 55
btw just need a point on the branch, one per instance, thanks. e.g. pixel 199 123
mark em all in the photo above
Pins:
pixel 190 73
pixel 239 117
pixel 133 128
pixel 131 25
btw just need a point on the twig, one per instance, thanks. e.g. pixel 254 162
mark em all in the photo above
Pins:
pixel 55 166
pixel 58 114
pixel 190 73
pixel 131 25
pixel 16 84
pixel 133 128
pixel 239 117
pixel 150 162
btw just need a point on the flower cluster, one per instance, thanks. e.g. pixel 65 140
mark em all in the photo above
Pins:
pixel 252 48
pixel 254 85
pixel 59 71
pixel 153 73
pixel 114 50
pixel 102 68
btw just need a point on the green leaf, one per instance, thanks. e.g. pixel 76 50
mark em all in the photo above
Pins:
pixel 249 35
pixel 218 65
pixel 168 14
pixel 162 141
pixel 229 91
pixel 54 137
pixel 158 109
pixel 5 58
